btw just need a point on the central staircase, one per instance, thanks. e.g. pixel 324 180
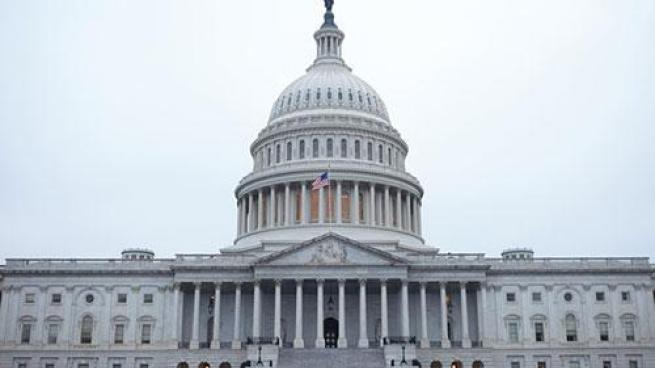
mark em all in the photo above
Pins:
pixel 331 358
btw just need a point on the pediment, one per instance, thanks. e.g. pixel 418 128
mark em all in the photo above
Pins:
pixel 330 250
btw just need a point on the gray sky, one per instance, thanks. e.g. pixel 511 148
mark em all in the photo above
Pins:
pixel 127 123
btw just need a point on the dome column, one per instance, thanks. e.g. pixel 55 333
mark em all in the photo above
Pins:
pixel 287 204
pixel 355 204
pixel 272 210
pixel 338 203
pixel 408 211
pixel 387 207
pixel 415 214
pixel 251 213
pixel 303 205
pixel 399 206
pixel 371 205
pixel 321 205
pixel 260 209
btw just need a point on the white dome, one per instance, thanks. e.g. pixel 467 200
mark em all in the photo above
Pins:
pixel 329 85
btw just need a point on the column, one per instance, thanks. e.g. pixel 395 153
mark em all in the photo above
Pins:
pixel 415 214
pixel 408 212
pixel 303 205
pixel 418 217
pixel 320 339
pixel 482 328
pixel 244 213
pixel 278 311
pixel 363 334
pixel 445 341
pixel 355 203
pixel 321 205
pixel 216 339
pixel 384 312
pixel 256 310
pixel 287 204
pixel 251 212
pixel 298 342
pixel 175 315
pixel 272 211
pixel 337 208
pixel 399 206
pixel 404 311
pixel 4 303
pixel 195 332
pixel 425 342
pixel 466 341
pixel 260 209
pixel 236 336
pixel 238 217
pixel 371 212
pixel 342 342
pixel 387 207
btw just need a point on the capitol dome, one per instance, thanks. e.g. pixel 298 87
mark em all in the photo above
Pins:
pixel 329 123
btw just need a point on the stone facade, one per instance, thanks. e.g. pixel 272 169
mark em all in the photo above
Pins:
pixel 342 266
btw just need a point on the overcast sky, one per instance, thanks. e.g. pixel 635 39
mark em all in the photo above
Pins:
pixel 127 123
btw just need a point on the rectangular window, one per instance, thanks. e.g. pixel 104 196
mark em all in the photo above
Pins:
pixel 625 296
pixel 25 333
pixel 536 297
pixel 633 364
pixel 513 328
pixel 119 331
pixel 541 365
pixel 116 365
pixel 607 364
pixel 511 297
pixel 147 298
pixel 83 365
pixel 29 298
pixel 539 331
pixel 515 365
pixel 22 365
pixel 49 365
pixel 600 296
pixel 122 298
pixel 53 332
pixel 143 365
pixel 574 364
pixel 55 299
pixel 301 150
pixel 604 329
pixel 629 330
pixel 146 331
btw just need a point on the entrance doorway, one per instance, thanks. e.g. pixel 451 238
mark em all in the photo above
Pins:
pixel 331 332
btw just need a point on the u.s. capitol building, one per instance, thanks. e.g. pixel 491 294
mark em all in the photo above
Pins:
pixel 336 276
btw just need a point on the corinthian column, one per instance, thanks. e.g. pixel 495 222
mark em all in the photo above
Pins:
pixel 287 204
pixel 425 342
pixel 363 335
pixel 342 342
pixel 277 315
pixel 404 311
pixel 387 207
pixel 303 200
pixel 236 337
pixel 399 206
pixel 371 212
pixel 338 203
pixel 320 339
pixel 272 211
pixel 355 204
pixel 298 342
pixel 256 310
pixel 195 332
pixel 216 339
pixel 445 342
pixel 466 341
pixel 260 209
pixel 384 311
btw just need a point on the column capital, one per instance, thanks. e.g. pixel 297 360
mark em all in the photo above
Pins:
pixel 299 282
pixel 256 282
pixel 462 284
pixel 362 282
pixel 341 281
pixel 423 284
pixel 320 281
pixel 197 284
pixel 237 283
pixel 277 282
pixel 404 282
pixel 383 281
pixel 218 284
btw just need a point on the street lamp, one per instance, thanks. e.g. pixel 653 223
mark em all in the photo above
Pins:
pixel 403 362
pixel 259 357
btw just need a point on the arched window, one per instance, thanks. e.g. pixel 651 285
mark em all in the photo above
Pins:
pixel 435 364
pixel 380 154
pixel 301 149
pixel 86 332
pixel 277 154
pixel 344 148
pixel 477 364
pixel 456 364
pixel 358 153
pixel 204 365
pixel 369 151
pixel 629 323
pixel 183 365
pixel 389 156
pixel 225 365
pixel 289 151
pixel 571 328
pixel 268 157
pixel 330 148
pixel 315 148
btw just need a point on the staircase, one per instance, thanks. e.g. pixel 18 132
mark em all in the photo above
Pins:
pixel 331 358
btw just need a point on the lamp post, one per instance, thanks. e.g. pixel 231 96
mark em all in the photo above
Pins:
pixel 259 357
pixel 403 362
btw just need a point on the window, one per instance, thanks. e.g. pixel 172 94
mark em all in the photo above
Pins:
pixel 22 365
pixel 369 151
pixel 116 365
pixel 89 298
pixel 146 332
pixel 604 330
pixel 380 154
pixel 289 151
pixel 629 327
pixel 301 149
pixel 119 331
pixel 389 156
pixel 29 298
pixel 571 328
pixel 625 296
pixel 86 332
pixel 541 365
pixel 513 331
pixel 536 297
pixel 344 148
pixel 122 298
pixel 147 298
pixel 83 365
pixel 515 365
pixel 539 331
pixel 25 333
pixel 315 148
pixel 330 148
pixel 568 297
pixel 55 299
pixel 49 365
pixel 268 157
pixel 574 364
pixel 633 364
pixel 143 365
pixel 607 364
pixel 277 154
pixel 600 296
pixel 53 332
pixel 358 153
pixel 510 297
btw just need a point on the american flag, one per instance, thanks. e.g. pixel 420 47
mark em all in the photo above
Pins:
pixel 321 181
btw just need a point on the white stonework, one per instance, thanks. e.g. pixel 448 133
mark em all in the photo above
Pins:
pixel 343 267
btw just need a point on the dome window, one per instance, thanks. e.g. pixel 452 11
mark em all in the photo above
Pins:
pixel 330 148
pixel 282 104
pixel 289 151
pixel 380 154
pixel 315 148
pixel 329 94
pixel 369 151
pixel 350 95
pixel 277 154
pixel 368 98
pixel 298 98
pixel 307 96
pixel 340 94
pixel 361 100
pixel 358 153
pixel 389 155
pixel 318 95
pixel 301 149
pixel 344 148
pixel 289 102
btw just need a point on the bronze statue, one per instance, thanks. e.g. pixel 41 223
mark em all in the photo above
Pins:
pixel 329 4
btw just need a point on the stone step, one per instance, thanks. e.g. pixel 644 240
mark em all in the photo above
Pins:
pixel 331 358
